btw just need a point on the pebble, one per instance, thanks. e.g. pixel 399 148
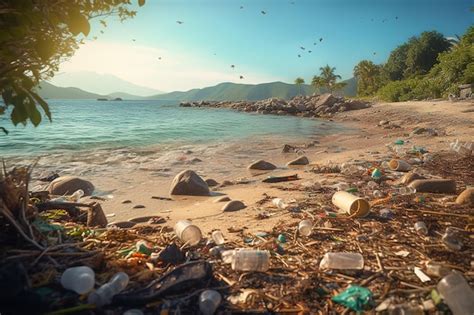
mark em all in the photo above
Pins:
pixel 138 207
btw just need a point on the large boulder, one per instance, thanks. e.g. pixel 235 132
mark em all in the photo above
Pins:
pixel 326 100
pixel 302 160
pixel 261 165
pixel 67 185
pixel 189 183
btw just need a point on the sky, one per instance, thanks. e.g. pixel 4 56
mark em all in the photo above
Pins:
pixel 216 34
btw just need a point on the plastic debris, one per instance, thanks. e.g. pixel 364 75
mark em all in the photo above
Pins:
pixel 356 298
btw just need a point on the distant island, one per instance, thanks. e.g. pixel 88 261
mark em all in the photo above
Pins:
pixel 224 91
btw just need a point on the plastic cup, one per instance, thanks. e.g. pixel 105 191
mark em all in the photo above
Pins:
pixel 188 232
pixel 305 227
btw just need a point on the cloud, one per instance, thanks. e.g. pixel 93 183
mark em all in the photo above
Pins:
pixel 141 65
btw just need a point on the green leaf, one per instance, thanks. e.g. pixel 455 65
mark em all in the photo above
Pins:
pixel 33 113
pixel 141 3
pixel 42 103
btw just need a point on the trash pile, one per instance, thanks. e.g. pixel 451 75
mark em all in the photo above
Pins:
pixel 392 235
pixel 307 106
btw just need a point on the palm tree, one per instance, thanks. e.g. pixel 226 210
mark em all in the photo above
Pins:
pixel 299 81
pixel 368 77
pixel 327 79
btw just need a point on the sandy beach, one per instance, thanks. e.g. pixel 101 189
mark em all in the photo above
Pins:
pixel 363 140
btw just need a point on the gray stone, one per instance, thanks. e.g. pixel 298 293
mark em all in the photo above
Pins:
pixel 302 160
pixel 261 165
pixel 189 183
pixel 222 199
pixel 67 185
pixel 466 197
pixel 211 182
pixel 233 205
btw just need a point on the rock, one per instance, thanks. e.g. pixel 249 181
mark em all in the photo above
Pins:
pixel 444 186
pixel 409 177
pixel 48 177
pixel 67 185
pixel 222 199
pixel 421 130
pixel 233 205
pixel 211 182
pixel 138 207
pixel 189 183
pixel 288 148
pixel 383 122
pixel 326 100
pixel 126 201
pixel 96 216
pixel 122 224
pixel 261 165
pixel 466 197
pixel 227 183
pixel 302 160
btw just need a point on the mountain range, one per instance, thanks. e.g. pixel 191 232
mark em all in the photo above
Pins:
pixel 220 92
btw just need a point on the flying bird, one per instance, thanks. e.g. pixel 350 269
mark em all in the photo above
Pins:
pixel 314 44
pixel 241 77
pixel 179 22
pixel 302 48
pixel 232 66
pixel 134 40
pixel 383 21
pixel 159 58
pixel 292 2
pixel 321 39
pixel 241 7
pixel 396 18
pixel 263 12
pixel 299 56
pixel 309 51
pixel 375 53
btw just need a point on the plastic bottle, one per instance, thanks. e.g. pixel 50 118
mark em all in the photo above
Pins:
pixel 218 237
pixel 188 232
pixel 279 203
pixel 78 194
pixel 457 294
pixel 305 227
pixel 406 190
pixel 421 228
pixel 251 260
pixel 209 301
pixel 342 261
pixel 103 295
pixel 78 279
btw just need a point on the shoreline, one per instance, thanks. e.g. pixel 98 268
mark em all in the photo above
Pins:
pixel 365 140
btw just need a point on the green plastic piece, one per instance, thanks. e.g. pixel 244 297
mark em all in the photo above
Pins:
pixel 282 238
pixel 399 142
pixel 435 297
pixel 352 190
pixel 356 298
pixel 376 173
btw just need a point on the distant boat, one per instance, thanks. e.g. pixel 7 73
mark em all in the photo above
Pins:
pixel 118 99
pixel 102 99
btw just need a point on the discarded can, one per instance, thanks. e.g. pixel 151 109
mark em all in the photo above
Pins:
pixel 421 228
pixel 305 227
pixel 218 237
pixel 251 260
pixel 187 232
pixel 399 165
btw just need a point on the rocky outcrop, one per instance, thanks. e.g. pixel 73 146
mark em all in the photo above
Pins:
pixel 307 106
pixel 189 183
pixel 67 185
pixel 261 165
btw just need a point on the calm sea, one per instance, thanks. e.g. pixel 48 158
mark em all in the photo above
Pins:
pixel 91 124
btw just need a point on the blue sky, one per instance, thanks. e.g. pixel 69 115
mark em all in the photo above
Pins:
pixel 217 33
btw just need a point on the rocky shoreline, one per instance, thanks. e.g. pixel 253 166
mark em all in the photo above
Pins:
pixel 316 105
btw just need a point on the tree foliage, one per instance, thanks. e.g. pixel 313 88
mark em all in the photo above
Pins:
pixel 327 79
pixel 299 82
pixel 369 77
pixel 35 37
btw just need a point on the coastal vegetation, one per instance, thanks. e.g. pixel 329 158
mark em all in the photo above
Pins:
pixel 36 37
pixel 427 66
pixel 327 79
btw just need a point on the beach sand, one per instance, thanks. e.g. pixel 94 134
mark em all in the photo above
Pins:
pixel 363 140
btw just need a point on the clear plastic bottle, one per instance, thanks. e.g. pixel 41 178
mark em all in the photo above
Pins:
pixel 342 261
pixel 457 294
pixel 421 228
pixel 279 203
pixel 103 295
pixel 209 301
pixel 218 237
pixel 78 279
pixel 305 227
pixel 188 232
pixel 251 260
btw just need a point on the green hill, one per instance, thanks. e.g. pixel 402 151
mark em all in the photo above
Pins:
pixel 47 90
pixel 251 92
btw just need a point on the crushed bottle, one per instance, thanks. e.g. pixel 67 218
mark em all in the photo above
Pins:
pixel 251 260
pixel 103 295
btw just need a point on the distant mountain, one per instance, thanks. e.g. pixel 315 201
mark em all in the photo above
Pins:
pixel 100 83
pixel 47 90
pixel 251 92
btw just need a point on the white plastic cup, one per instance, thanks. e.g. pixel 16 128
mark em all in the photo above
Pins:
pixel 218 237
pixel 78 279
pixel 305 227
pixel 188 232
pixel 209 301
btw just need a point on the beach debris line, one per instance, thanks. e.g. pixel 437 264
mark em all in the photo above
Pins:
pixel 332 250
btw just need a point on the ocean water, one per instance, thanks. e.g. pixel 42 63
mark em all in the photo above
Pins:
pixel 82 125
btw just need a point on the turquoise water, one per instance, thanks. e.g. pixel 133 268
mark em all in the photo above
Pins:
pixel 91 124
